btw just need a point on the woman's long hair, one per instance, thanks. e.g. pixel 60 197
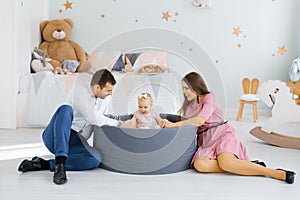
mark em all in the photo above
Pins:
pixel 196 83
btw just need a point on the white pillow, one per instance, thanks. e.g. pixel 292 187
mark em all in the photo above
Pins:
pixel 249 97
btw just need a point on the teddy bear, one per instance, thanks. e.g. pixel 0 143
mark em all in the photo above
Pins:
pixel 66 55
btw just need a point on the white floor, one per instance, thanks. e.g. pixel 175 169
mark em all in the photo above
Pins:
pixel 15 145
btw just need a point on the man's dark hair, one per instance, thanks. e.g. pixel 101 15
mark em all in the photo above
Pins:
pixel 101 77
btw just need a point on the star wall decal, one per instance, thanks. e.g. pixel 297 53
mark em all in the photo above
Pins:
pixel 68 5
pixel 236 31
pixel 166 15
pixel 176 14
pixel 281 50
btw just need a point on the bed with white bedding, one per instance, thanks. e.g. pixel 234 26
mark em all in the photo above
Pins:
pixel 41 93
pixel 46 91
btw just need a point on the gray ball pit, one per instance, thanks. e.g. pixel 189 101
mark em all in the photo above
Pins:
pixel 146 151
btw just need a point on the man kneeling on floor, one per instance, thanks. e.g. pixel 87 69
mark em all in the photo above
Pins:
pixel 66 135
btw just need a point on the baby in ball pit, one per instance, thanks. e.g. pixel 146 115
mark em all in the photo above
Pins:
pixel 144 117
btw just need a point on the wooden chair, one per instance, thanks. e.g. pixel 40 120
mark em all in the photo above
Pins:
pixel 249 97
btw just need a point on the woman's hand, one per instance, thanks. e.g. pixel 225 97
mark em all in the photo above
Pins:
pixel 162 123
pixel 168 124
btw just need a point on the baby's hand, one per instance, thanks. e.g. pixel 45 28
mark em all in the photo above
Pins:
pixel 127 125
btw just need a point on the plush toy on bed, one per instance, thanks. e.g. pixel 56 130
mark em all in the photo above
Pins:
pixel 65 54
pixel 39 61
pixel 151 69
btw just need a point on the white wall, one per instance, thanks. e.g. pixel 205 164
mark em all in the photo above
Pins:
pixel 21 19
pixel 298 26
pixel 29 15
pixel 265 25
pixel 8 84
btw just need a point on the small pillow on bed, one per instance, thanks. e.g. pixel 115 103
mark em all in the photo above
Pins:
pixel 132 57
pixel 150 57
pixel 151 69
pixel 119 65
pixel 106 60
pixel 129 60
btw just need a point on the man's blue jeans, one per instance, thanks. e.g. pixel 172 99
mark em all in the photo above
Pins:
pixel 61 140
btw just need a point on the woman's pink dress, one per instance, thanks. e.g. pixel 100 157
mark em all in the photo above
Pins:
pixel 217 140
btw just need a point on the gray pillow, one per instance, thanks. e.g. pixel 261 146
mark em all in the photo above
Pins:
pixel 132 57
pixel 119 65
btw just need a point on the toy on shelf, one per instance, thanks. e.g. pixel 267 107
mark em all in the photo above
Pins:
pixel 39 61
pixel 65 54
pixel 277 95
